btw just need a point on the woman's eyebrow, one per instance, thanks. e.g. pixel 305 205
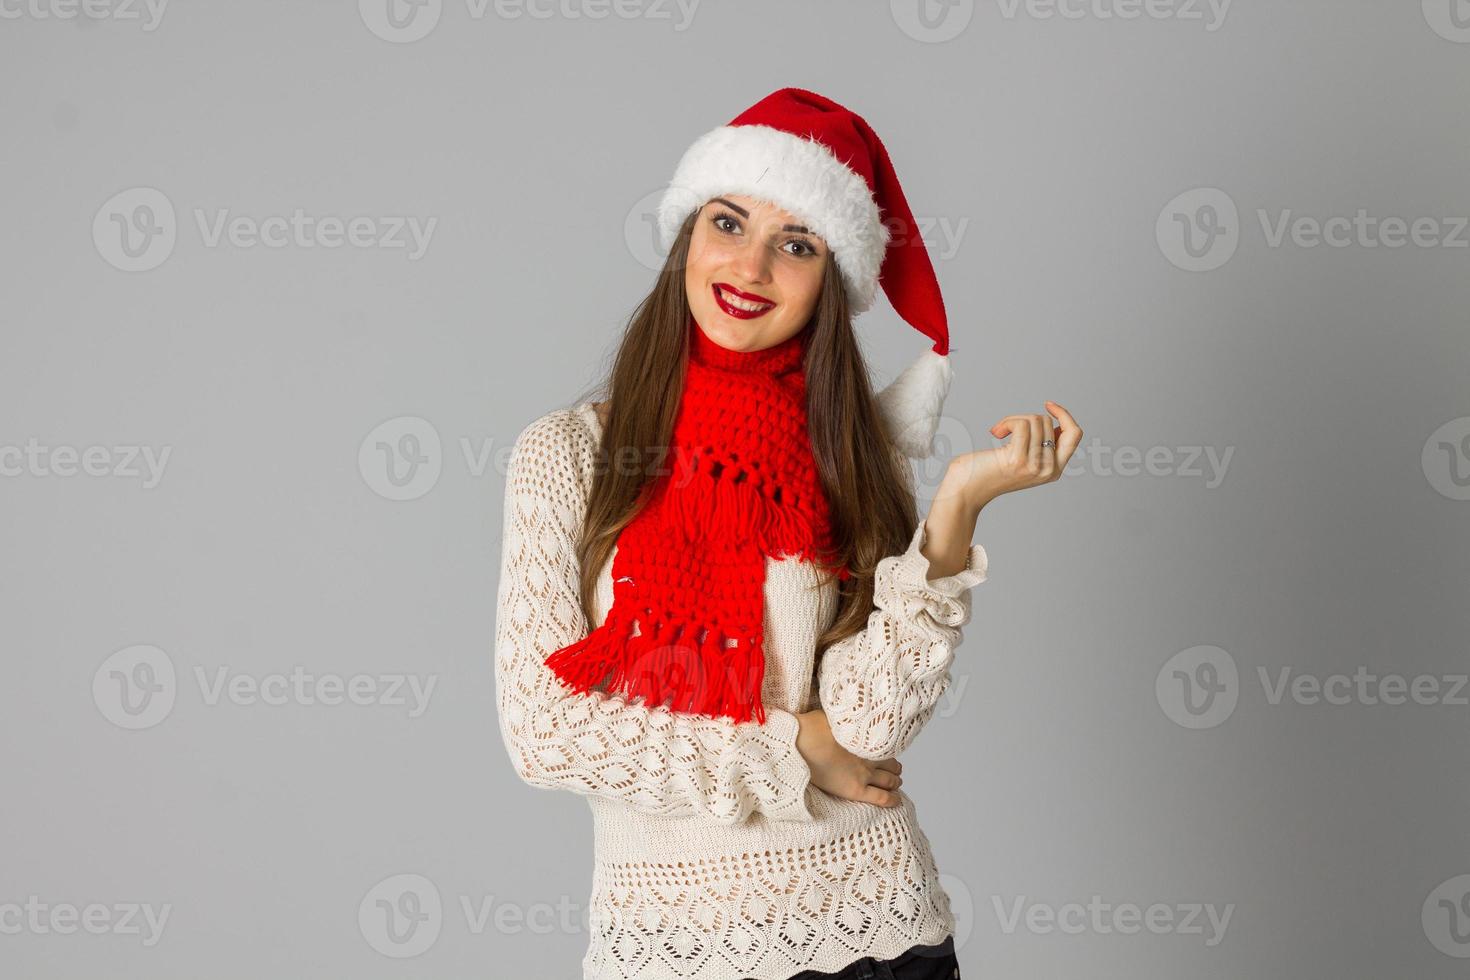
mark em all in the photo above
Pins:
pixel 799 229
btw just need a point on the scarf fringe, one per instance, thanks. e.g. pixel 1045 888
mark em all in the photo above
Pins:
pixel 749 514
pixel 663 661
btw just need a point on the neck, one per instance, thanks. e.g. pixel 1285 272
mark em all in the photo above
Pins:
pixel 777 359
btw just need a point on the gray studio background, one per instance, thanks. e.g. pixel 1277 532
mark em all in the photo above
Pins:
pixel 1274 476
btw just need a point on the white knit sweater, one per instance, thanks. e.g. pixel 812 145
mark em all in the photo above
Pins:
pixel 715 857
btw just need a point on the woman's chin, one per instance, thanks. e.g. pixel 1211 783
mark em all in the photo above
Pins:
pixel 723 330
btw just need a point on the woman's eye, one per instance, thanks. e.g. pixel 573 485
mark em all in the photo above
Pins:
pixel 728 224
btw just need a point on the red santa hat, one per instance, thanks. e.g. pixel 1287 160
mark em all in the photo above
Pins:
pixel 824 164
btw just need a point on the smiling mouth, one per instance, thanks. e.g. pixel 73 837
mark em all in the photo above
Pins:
pixel 738 305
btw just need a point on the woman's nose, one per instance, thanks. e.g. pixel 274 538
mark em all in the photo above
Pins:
pixel 753 261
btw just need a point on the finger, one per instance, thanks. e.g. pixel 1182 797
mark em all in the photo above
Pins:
pixel 880 797
pixel 1070 434
pixel 1008 424
pixel 1068 423
pixel 1036 452
pixel 1019 430
pixel 892 765
pixel 885 779
pixel 1048 453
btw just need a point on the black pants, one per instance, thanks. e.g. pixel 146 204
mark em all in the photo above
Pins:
pixel 937 962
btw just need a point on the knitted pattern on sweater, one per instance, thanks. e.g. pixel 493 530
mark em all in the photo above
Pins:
pixel 715 859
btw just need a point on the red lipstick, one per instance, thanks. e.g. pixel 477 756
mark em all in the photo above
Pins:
pixel 735 311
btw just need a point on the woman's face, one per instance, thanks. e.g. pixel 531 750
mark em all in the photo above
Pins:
pixel 749 251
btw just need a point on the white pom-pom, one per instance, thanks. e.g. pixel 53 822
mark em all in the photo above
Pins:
pixel 911 404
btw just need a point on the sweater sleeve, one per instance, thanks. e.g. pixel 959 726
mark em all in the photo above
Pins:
pixel 879 686
pixel 599 744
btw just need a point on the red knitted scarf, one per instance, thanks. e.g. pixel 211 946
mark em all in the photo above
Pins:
pixel 689 570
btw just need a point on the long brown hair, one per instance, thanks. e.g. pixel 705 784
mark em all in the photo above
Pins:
pixel 868 483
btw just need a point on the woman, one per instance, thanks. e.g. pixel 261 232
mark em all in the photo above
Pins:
pixel 720 617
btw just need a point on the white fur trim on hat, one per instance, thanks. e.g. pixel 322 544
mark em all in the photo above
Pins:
pixel 910 405
pixel 796 174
